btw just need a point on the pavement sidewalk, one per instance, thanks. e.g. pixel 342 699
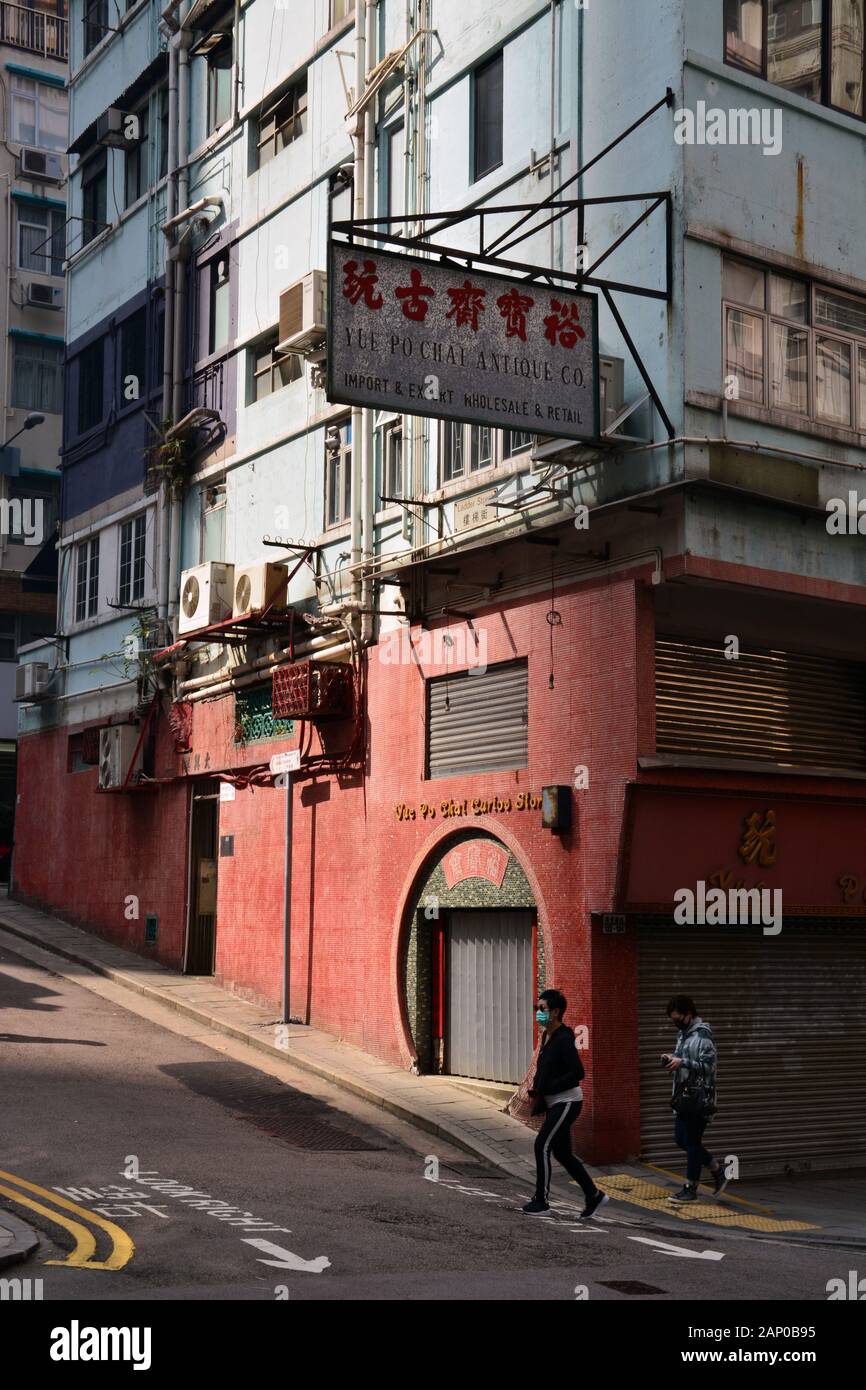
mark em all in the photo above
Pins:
pixel 17 1240
pixel 820 1211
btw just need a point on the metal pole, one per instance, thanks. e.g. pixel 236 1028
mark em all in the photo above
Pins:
pixel 287 903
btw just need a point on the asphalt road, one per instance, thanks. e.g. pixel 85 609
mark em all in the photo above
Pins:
pixel 92 1086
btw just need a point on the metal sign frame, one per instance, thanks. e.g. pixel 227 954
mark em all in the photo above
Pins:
pixel 381 230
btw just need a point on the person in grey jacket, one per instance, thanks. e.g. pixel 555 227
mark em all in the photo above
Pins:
pixel 693 1063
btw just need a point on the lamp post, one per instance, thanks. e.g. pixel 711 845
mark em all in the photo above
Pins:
pixel 30 423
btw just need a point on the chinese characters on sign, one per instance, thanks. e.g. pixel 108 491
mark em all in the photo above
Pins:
pixel 475 859
pixel 424 338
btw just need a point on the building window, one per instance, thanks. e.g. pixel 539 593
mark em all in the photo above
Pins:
pixel 515 442
pixel 478 720
pixel 37 375
pixel 396 177
pixel 220 316
pixel 163 132
pixel 219 81
pixel 806 46
pixel 94 197
pixel 41 238
pixel 87 580
pixel 8 645
pixel 39 114
pixel 133 357
pixel 132 550
pixel 338 473
pixel 282 122
pixel 392 463
pixel 90 386
pixel 340 10
pixel 487 113
pixel 268 372
pixel 136 162
pixel 466 449
pixel 95 23
pixel 795 346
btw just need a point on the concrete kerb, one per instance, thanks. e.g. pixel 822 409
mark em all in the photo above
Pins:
pixel 522 1170
pixel 24 1240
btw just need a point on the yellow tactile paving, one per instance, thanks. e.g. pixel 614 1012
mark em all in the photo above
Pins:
pixel 649 1195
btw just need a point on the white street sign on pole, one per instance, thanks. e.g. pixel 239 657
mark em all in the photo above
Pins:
pixel 286 762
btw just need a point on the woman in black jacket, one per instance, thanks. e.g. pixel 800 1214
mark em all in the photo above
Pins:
pixel 556 1091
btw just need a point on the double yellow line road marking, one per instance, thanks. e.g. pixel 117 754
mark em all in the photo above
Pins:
pixel 81 1256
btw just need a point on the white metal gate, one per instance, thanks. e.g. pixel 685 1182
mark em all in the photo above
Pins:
pixel 488 1001
pixel 788 1013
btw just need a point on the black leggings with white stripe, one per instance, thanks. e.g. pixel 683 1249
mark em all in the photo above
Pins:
pixel 554 1138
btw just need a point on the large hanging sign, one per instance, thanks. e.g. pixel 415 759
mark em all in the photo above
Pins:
pixel 422 338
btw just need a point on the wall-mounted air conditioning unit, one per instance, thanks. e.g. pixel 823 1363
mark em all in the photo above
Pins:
pixel 37 164
pixel 116 747
pixel 611 372
pixel 120 129
pixel 258 587
pixel 304 314
pixel 206 593
pixel 44 296
pixel 31 680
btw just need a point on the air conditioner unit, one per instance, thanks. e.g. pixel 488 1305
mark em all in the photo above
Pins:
pixel 205 595
pixel 31 680
pixel 44 296
pixel 117 744
pixel 260 586
pixel 120 129
pixel 611 389
pixel 36 164
pixel 303 314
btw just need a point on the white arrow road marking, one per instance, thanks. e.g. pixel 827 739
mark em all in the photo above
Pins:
pixel 286 1260
pixel 665 1249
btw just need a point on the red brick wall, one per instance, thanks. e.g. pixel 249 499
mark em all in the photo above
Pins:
pixel 355 865
pixel 82 853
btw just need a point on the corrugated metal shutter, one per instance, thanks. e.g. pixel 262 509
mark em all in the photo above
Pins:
pixel 489 999
pixel 774 706
pixel 789 1018
pixel 478 721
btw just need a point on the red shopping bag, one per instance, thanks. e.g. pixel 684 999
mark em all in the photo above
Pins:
pixel 520 1105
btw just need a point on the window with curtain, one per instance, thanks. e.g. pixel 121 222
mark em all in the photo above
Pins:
pixel 40 113
pixel 41 238
pixel 37 375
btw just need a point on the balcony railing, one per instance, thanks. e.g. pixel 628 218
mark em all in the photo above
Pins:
pixel 47 34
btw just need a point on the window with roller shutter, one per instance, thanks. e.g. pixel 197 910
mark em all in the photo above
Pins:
pixel 478 721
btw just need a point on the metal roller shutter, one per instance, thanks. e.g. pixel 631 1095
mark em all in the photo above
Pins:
pixel 489 995
pixel 789 1018
pixel 477 721
pixel 775 706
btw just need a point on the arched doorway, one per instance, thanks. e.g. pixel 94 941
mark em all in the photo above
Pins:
pixel 472 961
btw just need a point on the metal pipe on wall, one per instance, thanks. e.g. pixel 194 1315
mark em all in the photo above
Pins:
pixel 179 325
pixel 367 445
pixel 355 501
pixel 168 332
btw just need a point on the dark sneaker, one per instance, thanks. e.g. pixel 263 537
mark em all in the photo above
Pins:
pixel 593 1204
pixel 685 1194
pixel 720 1181
pixel 536 1208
